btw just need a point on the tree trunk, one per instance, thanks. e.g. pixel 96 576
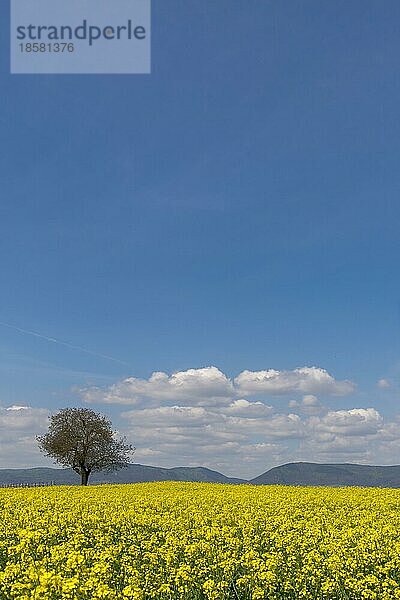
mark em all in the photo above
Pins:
pixel 84 477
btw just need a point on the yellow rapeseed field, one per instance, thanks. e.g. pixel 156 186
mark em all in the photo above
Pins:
pixel 199 541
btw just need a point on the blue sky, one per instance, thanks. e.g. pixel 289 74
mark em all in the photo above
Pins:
pixel 237 208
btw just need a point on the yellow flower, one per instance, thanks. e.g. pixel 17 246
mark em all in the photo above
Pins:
pixel 193 541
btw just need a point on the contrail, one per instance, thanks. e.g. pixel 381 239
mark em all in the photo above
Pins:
pixel 61 343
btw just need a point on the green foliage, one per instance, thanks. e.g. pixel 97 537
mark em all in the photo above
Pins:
pixel 84 440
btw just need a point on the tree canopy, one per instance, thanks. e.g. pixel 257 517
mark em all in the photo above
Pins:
pixel 84 440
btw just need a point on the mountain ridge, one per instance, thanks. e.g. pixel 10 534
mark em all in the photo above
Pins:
pixel 330 474
pixel 133 473
pixel 297 473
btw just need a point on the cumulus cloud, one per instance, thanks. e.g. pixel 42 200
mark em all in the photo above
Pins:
pixel 308 380
pixel 231 436
pixel 22 418
pixel 211 387
pixel 355 435
pixel 242 437
pixel 166 416
pixel 208 385
pixel 353 422
pixel 244 408
pixel 19 426
pixel 246 438
pixel 202 417
pixel 309 404
pixel 310 400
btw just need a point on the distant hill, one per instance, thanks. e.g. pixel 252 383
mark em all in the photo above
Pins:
pixel 300 473
pixel 131 474
pixel 335 475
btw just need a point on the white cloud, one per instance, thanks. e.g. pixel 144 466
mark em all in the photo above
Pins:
pixel 202 417
pixel 308 405
pixel 310 400
pixel 241 438
pixel 19 426
pixel 243 407
pixel 233 436
pixel 203 386
pixel 165 416
pixel 22 417
pixel 383 384
pixel 210 387
pixel 353 422
pixel 355 435
pixel 309 380
pixel 241 442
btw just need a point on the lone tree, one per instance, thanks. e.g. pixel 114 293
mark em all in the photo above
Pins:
pixel 84 440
